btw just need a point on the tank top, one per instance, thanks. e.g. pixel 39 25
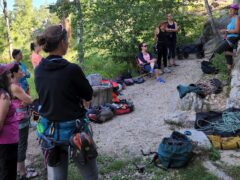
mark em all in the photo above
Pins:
pixel 162 37
pixel 22 113
pixel 9 131
pixel 172 35
pixel 231 26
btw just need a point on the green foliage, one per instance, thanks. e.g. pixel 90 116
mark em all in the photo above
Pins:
pixel 105 66
pixel 219 62
pixel 214 154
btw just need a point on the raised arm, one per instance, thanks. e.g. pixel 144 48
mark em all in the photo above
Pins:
pixel 4 107
pixel 19 93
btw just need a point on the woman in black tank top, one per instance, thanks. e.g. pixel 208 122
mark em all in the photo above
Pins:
pixel 160 38
pixel 172 29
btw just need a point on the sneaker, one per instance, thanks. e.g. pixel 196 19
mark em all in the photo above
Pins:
pixel 151 71
pixel 160 80
pixel 166 70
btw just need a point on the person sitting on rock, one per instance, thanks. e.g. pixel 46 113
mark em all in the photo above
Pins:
pixel 148 61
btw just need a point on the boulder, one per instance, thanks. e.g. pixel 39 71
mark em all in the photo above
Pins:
pixel 212 102
pixel 200 140
pixel 181 118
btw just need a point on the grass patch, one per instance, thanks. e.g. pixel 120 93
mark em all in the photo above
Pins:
pixel 214 154
pixel 232 171
pixel 219 62
pixel 116 169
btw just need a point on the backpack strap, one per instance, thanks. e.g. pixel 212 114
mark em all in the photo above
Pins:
pixel 154 160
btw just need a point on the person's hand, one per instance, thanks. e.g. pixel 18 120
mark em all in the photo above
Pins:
pixel 222 31
pixel 86 104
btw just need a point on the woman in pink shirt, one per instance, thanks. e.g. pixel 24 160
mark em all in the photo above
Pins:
pixel 35 57
pixel 8 127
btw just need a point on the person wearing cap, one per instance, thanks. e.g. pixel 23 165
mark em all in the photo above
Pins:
pixel 17 56
pixel 8 127
pixel 232 36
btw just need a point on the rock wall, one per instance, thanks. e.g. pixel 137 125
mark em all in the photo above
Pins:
pixel 234 96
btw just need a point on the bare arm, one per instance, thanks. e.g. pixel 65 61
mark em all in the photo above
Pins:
pixel 4 107
pixel 155 34
pixel 20 94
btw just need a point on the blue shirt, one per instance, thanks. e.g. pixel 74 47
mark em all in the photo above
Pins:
pixel 23 80
pixel 231 26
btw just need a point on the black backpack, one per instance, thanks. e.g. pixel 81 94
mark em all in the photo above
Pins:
pixel 207 68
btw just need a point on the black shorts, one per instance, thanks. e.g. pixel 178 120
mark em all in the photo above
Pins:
pixel 8 161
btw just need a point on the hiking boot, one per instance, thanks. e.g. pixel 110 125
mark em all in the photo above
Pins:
pixel 167 70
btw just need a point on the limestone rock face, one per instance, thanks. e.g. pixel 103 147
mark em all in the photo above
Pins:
pixel 181 118
pixel 234 96
pixel 192 102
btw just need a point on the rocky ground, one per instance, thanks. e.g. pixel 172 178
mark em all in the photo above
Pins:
pixel 124 136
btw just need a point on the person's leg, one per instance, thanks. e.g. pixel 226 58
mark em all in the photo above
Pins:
pixel 169 54
pixel 159 59
pixel 174 54
pixel 229 60
pixel 165 56
pixel 22 150
pixel 88 170
pixel 8 161
pixel 60 170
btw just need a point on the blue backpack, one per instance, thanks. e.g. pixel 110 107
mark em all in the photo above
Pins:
pixel 173 152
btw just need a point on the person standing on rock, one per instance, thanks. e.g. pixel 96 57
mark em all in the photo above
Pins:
pixel 160 38
pixel 61 86
pixel 172 29
pixel 232 36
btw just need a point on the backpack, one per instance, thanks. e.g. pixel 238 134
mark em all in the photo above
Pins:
pixel 138 80
pixel 128 81
pixel 227 143
pixel 207 68
pixel 123 107
pixel 99 114
pixel 173 152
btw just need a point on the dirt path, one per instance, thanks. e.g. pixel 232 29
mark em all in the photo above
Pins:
pixel 143 129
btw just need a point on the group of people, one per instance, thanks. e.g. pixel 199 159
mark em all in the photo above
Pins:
pixel 15 118
pixel 64 94
pixel 165 38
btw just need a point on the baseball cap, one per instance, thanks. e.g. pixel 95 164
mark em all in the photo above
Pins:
pixel 5 67
pixel 234 6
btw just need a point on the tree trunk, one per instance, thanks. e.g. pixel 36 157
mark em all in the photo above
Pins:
pixel 80 31
pixel 210 17
pixel 8 28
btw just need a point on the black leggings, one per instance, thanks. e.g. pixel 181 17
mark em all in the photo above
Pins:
pixel 227 45
pixel 171 50
pixel 8 161
pixel 162 54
